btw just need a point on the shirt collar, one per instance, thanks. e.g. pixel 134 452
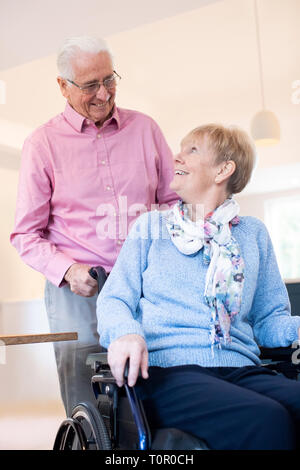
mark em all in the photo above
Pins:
pixel 77 120
pixel 116 116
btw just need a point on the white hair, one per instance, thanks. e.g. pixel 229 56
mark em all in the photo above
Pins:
pixel 74 46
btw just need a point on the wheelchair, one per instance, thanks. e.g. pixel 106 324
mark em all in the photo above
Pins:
pixel 118 422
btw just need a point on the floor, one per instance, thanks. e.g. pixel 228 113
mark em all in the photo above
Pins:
pixel 30 427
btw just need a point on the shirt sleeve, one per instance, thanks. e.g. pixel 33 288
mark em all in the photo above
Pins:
pixel 118 301
pixel 164 195
pixel 270 316
pixel 32 216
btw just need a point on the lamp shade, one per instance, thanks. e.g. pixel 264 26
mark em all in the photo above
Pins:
pixel 265 128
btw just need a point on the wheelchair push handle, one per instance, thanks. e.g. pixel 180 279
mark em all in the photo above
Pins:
pixel 99 274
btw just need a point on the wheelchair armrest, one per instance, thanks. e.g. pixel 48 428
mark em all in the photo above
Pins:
pixel 96 357
pixel 282 360
pixel 277 354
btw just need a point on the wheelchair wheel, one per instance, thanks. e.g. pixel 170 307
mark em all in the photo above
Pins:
pixel 93 426
pixel 85 430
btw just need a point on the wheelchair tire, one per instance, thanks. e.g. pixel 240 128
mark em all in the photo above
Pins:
pixel 93 426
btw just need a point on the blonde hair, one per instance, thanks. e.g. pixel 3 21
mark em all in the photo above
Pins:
pixel 230 143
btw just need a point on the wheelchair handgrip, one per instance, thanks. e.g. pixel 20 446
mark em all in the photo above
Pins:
pixel 93 273
pixel 99 274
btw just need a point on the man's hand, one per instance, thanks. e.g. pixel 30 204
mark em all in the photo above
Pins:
pixel 134 348
pixel 81 283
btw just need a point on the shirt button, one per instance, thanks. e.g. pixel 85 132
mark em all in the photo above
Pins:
pixel 103 162
pixel 98 136
pixel 108 188
pixel 119 242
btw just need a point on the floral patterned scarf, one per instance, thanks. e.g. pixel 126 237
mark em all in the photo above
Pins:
pixel 225 274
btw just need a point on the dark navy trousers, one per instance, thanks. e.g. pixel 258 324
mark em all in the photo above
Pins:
pixel 229 408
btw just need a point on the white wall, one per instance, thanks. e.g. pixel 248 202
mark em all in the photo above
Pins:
pixel 17 281
pixel 27 371
pixel 253 204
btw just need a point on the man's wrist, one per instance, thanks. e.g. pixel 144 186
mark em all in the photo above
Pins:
pixel 68 273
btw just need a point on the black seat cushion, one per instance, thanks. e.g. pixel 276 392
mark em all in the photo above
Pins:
pixel 174 439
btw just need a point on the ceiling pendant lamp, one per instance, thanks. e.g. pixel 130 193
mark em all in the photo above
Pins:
pixel 265 128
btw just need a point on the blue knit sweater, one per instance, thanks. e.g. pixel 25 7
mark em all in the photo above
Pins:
pixel 157 292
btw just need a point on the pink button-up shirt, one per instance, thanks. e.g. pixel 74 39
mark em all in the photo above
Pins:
pixel 81 187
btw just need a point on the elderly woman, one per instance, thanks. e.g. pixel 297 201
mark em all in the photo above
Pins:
pixel 193 292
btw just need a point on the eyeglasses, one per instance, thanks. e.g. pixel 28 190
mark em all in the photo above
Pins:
pixel 92 88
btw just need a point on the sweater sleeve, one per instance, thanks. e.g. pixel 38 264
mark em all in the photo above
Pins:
pixel 270 315
pixel 117 304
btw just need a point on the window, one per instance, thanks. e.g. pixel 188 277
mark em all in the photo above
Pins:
pixel 282 217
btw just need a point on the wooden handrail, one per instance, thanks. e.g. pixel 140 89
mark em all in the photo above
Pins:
pixel 41 338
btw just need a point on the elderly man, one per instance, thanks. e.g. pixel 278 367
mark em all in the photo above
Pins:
pixel 85 176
